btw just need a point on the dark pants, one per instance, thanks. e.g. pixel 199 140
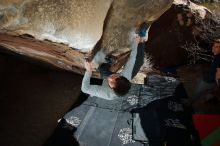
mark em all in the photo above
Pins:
pixel 104 68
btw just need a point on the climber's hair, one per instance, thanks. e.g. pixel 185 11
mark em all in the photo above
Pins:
pixel 122 86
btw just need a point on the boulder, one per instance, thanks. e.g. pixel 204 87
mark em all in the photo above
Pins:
pixel 62 32
pixel 75 23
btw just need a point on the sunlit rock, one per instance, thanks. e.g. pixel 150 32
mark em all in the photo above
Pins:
pixel 62 32
pixel 76 23
pixel 125 16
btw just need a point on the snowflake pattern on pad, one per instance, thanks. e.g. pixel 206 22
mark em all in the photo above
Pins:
pixel 125 135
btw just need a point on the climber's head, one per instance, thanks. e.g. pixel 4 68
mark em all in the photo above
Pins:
pixel 119 84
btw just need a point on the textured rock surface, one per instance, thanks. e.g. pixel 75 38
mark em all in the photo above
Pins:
pixel 77 24
pixel 124 16
pixel 56 54
pixel 72 22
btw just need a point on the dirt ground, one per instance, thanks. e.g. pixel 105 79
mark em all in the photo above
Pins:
pixel 32 99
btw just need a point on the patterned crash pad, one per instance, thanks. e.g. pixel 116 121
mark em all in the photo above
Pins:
pixel 101 122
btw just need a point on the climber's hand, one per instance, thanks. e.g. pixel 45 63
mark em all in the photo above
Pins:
pixel 88 66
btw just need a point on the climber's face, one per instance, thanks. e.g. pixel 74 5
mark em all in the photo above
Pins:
pixel 112 80
pixel 216 48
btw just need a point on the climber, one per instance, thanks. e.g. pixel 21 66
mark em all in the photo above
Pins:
pixel 114 84
pixel 211 78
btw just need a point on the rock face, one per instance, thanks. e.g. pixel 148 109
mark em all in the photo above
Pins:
pixel 65 21
pixel 63 32
pixel 73 23
pixel 124 16
pixel 55 54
